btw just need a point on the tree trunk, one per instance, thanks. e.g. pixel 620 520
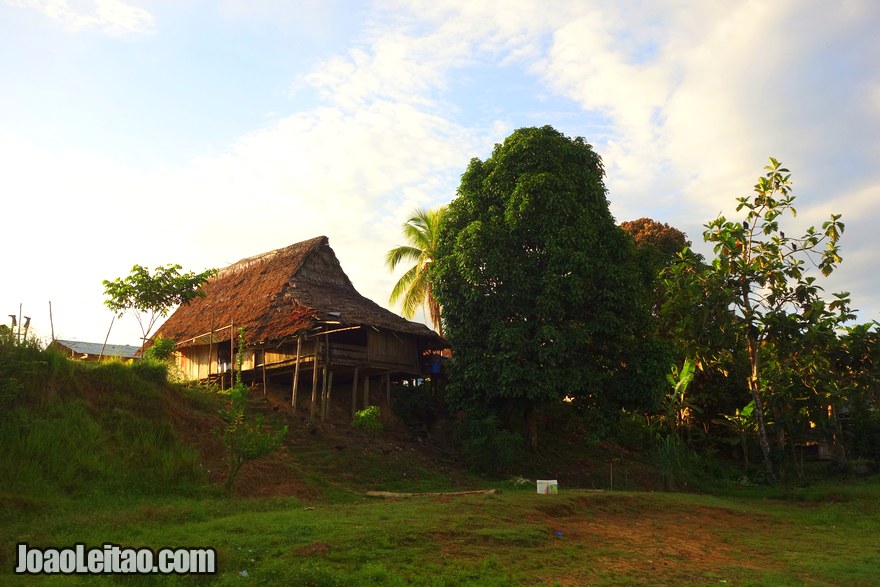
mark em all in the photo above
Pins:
pixel 838 450
pixel 754 389
pixel 531 426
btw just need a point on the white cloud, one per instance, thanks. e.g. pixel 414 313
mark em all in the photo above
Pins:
pixel 696 96
pixel 111 17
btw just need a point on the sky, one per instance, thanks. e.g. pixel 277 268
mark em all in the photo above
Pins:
pixel 202 132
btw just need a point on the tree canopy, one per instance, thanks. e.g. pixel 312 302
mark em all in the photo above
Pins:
pixel 151 296
pixel 647 233
pixel 540 298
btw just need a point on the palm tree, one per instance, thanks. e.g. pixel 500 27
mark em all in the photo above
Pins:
pixel 414 287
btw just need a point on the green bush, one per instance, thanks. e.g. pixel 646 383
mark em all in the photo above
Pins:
pixel 863 431
pixel 368 420
pixel 245 438
pixel 162 349
pixel 633 432
pixel 416 407
pixel 485 446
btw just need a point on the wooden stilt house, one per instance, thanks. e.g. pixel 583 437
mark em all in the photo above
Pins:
pixel 305 324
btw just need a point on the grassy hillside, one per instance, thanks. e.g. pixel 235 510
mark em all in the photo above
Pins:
pixel 113 453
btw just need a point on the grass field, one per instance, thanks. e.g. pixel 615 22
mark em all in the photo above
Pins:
pixel 97 455
pixel 824 536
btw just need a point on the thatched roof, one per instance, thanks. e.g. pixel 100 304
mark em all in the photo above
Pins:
pixel 281 293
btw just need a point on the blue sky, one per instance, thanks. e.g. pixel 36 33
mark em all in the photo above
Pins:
pixel 199 133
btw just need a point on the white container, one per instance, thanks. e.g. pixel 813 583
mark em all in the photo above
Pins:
pixel 547 486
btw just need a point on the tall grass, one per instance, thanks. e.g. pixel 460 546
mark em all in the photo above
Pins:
pixel 80 429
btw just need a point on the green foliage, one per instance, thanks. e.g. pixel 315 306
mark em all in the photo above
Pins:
pixel 28 372
pixel 677 407
pixel 537 283
pixel 154 294
pixel 672 458
pixel 417 407
pixel 485 446
pixel 415 287
pixel 84 428
pixel 162 349
pixel 368 419
pixel 244 438
pixel 741 424
pixel 152 370
pixel 759 295
pixel 633 432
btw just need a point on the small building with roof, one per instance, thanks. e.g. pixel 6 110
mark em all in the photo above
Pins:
pixel 95 351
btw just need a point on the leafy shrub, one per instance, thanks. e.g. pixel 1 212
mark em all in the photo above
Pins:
pixel 368 420
pixel 863 431
pixel 415 405
pixel 162 349
pixel 633 432
pixel 245 439
pixel 679 466
pixel 485 446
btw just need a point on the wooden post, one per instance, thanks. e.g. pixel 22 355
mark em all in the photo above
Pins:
pixel 354 392
pixel 314 379
pixel 366 391
pixel 51 322
pixel 211 348
pixel 232 354
pixel 323 392
pixel 388 390
pixel 329 393
pixel 265 388
pixel 299 340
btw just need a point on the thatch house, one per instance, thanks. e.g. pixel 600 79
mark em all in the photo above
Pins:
pixel 304 323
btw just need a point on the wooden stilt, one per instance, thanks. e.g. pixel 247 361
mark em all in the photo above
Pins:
pixel 211 350
pixel 329 394
pixel 388 390
pixel 354 392
pixel 366 391
pixel 314 380
pixel 323 392
pixel 299 340
pixel 265 387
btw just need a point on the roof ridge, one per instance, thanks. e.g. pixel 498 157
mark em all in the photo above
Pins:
pixel 247 262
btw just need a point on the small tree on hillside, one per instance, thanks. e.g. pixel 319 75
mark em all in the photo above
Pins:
pixel 245 439
pixel 151 296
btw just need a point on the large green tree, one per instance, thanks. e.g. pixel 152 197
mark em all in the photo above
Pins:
pixel 415 287
pixel 537 283
pixel 774 307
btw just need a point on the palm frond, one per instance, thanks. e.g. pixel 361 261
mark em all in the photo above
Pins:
pixel 415 294
pixel 403 284
pixel 400 254
pixel 414 289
